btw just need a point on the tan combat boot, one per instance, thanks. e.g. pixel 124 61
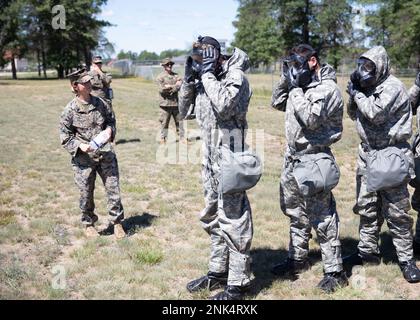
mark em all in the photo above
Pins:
pixel 119 232
pixel 91 232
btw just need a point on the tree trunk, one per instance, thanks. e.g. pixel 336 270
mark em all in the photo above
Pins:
pixel 14 74
pixel 60 71
pixel 88 57
pixel 44 64
pixel 38 59
pixel 305 26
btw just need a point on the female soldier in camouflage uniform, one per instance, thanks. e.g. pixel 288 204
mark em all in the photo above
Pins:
pixel 82 120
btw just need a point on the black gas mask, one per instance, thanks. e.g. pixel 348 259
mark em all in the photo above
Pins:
pixel 366 72
pixel 199 46
pixel 298 71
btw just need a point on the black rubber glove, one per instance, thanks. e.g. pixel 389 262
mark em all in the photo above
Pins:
pixel 285 70
pixel 210 57
pixel 354 78
pixel 291 82
pixel 354 84
pixel 417 82
pixel 352 89
pixel 190 72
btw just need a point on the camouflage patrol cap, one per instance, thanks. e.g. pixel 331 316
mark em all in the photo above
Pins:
pixel 167 61
pixel 97 59
pixel 79 76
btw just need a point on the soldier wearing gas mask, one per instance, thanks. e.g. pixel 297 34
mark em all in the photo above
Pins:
pixel 380 106
pixel 309 95
pixel 217 87
pixel 414 94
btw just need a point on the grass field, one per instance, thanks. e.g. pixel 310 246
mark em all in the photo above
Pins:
pixel 44 253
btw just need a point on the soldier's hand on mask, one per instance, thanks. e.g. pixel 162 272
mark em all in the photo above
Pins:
pixel 85 147
pixel 190 73
pixel 417 82
pixel 285 69
pixel 210 57
pixel 291 83
pixel 354 78
pixel 351 89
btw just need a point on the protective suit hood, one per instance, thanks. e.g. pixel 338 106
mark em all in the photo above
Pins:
pixel 381 59
pixel 326 72
pixel 238 60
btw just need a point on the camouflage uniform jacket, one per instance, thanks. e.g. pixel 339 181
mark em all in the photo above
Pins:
pixel 383 115
pixel 168 95
pixel 100 84
pixel 314 114
pixel 222 102
pixel 80 123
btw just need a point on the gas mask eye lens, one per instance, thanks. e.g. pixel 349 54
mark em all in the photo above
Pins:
pixel 197 58
pixel 366 65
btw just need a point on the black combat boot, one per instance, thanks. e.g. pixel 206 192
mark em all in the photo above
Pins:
pixel 365 259
pixel 89 220
pixel 291 267
pixel 210 281
pixel 416 247
pixel 333 281
pixel 232 293
pixel 410 271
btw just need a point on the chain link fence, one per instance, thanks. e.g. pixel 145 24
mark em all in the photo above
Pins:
pixel 151 69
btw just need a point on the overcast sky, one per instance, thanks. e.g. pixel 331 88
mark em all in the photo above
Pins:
pixel 156 25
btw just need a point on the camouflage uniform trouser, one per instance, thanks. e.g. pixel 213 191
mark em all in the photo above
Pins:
pixel 85 170
pixel 415 202
pixel 374 207
pixel 319 212
pixel 227 219
pixel 164 119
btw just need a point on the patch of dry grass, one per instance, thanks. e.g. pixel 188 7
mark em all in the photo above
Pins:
pixel 39 215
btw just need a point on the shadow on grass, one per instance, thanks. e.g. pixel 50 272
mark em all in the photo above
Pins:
pixel 264 259
pixel 132 224
pixel 123 141
pixel 386 249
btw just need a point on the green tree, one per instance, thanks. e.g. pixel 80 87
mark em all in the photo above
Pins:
pixel 170 53
pixel 395 24
pixel 257 32
pixel 147 56
pixel 267 29
pixel 27 25
pixel 12 44
pixel 331 29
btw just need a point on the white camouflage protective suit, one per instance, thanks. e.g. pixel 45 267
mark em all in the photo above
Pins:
pixel 313 122
pixel 383 118
pixel 221 104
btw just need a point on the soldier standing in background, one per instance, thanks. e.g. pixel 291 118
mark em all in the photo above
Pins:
pixel 169 84
pixel 87 128
pixel 101 81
